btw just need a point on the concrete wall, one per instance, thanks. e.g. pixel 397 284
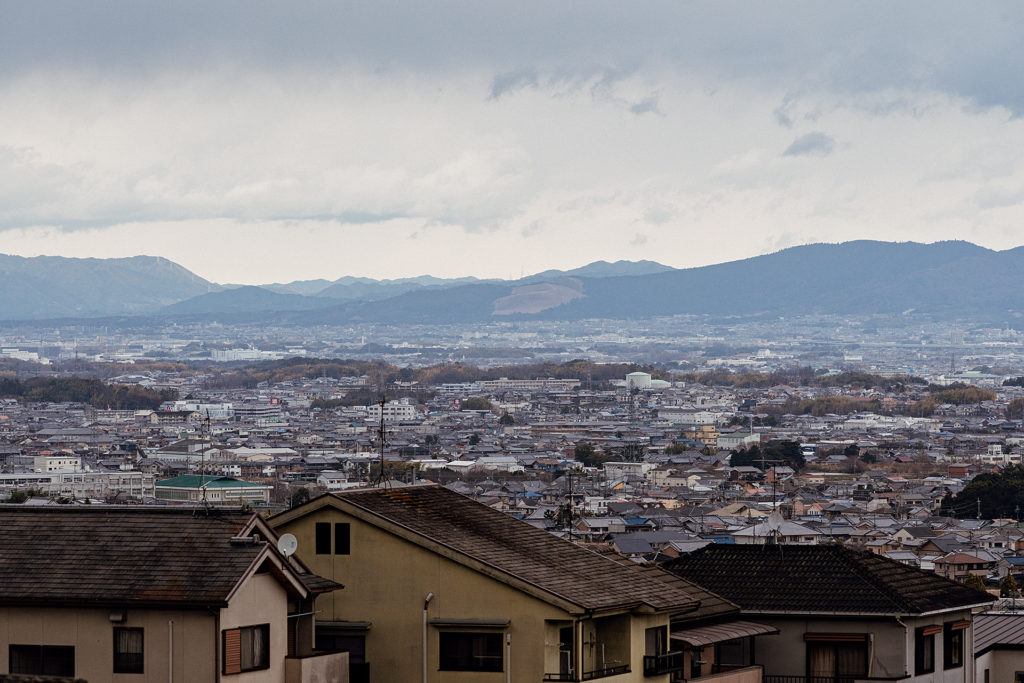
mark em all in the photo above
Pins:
pixel 326 668
pixel 386 579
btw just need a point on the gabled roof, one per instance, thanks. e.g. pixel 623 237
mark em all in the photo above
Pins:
pixel 820 579
pixel 998 630
pixel 507 549
pixel 99 555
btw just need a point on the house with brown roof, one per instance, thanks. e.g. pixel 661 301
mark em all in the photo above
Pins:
pixel 441 588
pixel 843 615
pixel 155 594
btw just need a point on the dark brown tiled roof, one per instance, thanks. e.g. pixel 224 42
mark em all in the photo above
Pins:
pixel 819 579
pixel 515 548
pixel 64 555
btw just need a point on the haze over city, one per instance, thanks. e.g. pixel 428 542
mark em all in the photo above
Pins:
pixel 262 142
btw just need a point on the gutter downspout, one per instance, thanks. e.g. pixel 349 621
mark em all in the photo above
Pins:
pixel 906 645
pixel 216 645
pixel 426 603
pixel 170 651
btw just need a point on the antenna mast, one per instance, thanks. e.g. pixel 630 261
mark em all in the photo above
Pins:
pixel 381 443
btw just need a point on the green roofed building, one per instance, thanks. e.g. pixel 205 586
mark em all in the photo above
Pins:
pixel 190 488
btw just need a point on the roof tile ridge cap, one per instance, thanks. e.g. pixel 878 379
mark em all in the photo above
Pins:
pixel 857 560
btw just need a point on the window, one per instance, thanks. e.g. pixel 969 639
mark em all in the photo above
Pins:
pixel 836 656
pixel 323 538
pixel 128 650
pixel 953 644
pixel 42 660
pixel 246 649
pixel 470 651
pixel 735 653
pixel 342 538
pixel 924 649
pixel 654 639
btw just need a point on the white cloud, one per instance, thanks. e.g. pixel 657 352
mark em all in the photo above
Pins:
pixel 456 148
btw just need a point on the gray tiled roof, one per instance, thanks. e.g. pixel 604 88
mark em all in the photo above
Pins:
pixel 86 555
pixel 580 576
pixel 819 579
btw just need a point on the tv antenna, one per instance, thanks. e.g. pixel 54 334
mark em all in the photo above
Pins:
pixel 382 480
pixel 204 432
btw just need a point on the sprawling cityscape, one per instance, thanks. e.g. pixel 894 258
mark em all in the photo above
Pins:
pixel 388 342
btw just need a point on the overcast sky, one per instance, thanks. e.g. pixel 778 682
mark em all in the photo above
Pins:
pixel 257 142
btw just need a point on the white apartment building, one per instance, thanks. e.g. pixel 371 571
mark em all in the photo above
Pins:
pixel 394 411
pixel 82 484
pixel 56 463
pixel 549 384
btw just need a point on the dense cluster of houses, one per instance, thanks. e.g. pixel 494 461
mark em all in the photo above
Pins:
pixel 608 528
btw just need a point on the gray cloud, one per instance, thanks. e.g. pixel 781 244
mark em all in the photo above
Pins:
pixel 513 80
pixel 811 144
pixel 970 50
pixel 648 105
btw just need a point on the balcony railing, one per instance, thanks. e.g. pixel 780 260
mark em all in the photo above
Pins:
pixel 747 674
pixel 771 678
pixel 559 677
pixel 607 671
pixel 665 663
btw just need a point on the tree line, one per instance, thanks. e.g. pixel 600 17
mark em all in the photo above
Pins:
pixel 93 392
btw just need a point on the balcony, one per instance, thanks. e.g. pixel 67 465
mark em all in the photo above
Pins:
pixel 607 671
pixel 748 674
pixel 809 679
pixel 665 663
pixel 327 666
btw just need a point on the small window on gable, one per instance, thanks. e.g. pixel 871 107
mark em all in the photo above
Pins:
pixel 342 538
pixel 323 538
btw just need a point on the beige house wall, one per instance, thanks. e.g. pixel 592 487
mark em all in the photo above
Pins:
pixel 196 636
pixel 91 633
pixel 260 600
pixel 387 579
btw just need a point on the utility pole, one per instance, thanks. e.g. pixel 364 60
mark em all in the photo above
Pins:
pixel 979 508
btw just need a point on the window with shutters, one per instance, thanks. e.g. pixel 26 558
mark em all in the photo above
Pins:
pixel 924 649
pixel 953 643
pixel 128 652
pixel 246 648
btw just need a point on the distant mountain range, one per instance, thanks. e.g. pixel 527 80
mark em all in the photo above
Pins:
pixel 55 287
pixel 945 279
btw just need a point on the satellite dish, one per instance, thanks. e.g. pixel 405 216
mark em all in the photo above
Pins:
pixel 287 544
pixel 775 520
